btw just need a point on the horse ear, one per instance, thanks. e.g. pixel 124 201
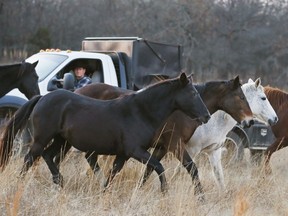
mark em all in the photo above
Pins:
pixel 250 80
pixel 236 82
pixel 35 64
pixel 183 79
pixel 190 77
pixel 258 82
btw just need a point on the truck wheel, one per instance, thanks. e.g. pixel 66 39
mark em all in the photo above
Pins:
pixel 19 147
pixel 233 149
pixel 256 156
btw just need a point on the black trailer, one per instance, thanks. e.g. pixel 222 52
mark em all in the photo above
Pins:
pixel 138 61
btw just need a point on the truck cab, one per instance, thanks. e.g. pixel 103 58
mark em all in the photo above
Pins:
pixel 126 62
pixel 52 66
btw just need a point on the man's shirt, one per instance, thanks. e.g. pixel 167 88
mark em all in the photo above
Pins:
pixel 82 82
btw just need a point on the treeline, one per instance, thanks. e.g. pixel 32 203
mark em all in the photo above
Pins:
pixel 220 38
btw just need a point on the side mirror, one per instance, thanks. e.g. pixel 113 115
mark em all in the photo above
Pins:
pixel 54 84
pixel 68 81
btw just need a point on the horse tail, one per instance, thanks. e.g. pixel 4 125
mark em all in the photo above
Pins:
pixel 15 124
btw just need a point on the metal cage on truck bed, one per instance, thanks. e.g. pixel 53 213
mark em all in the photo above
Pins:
pixel 141 60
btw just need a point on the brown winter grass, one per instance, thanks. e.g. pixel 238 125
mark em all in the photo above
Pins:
pixel 248 191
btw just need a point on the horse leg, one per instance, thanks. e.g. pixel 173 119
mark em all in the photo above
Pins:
pixel 191 168
pixel 92 158
pixel 277 145
pixel 158 153
pixel 33 155
pixel 117 166
pixel 58 149
pixel 215 162
pixel 48 155
pixel 61 154
pixel 29 159
pixel 146 158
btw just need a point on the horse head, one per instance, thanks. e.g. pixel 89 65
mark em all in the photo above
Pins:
pixel 260 105
pixel 28 80
pixel 232 100
pixel 190 101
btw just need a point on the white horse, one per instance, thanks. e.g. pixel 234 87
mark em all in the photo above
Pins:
pixel 209 137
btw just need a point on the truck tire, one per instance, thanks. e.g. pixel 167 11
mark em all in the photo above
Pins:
pixel 233 148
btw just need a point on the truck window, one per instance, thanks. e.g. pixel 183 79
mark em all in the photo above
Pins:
pixel 48 62
pixel 119 65
pixel 93 70
pixel 97 72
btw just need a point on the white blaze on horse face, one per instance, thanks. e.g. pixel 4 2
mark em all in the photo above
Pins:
pixel 259 104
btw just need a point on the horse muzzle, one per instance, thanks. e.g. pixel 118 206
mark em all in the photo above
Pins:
pixel 272 122
pixel 247 123
pixel 204 119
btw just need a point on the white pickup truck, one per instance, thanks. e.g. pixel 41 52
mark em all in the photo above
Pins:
pixel 126 62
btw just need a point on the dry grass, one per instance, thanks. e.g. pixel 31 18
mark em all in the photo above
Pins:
pixel 248 191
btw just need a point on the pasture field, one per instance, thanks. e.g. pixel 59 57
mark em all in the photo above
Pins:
pixel 249 191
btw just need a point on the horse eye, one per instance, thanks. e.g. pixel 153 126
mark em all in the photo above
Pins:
pixel 194 94
pixel 242 97
pixel 263 98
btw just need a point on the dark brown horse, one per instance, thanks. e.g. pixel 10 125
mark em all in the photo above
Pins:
pixel 178 129
pixel 20 75
pixel 279 101
pixel 123 127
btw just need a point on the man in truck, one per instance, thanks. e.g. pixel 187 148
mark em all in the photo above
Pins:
pixel 81 79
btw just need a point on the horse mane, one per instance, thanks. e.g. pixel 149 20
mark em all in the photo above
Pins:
pixel 159 83
pixel 23 69
pixel 276 96
pixel 207 85
pixel 6 69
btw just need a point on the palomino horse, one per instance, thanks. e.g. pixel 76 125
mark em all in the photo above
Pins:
pixel 221 123
pixel 123 127
pixel 279 101
pixel 22 76
pixel 177 130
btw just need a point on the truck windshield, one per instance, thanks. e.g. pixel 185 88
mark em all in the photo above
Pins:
pixel 47 63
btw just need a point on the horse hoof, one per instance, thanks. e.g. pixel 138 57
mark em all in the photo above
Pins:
pixel 56 187
pixel 107 184
pixel 21 176
pixel 164 189
pixel 58 179
pixel 198 192
pixel 105 189
pixel 201 198
pixel 89 173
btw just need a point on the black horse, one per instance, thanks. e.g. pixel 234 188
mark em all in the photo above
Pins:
pixel 123 127
pixel 20 75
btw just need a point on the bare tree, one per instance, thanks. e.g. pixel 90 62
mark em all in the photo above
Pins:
pixel 220 38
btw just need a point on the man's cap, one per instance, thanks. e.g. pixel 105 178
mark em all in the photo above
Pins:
pixel 78 64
